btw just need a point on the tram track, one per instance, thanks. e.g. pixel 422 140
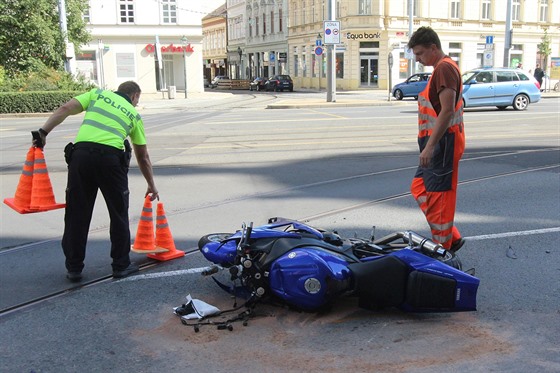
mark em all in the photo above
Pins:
pixel 103 279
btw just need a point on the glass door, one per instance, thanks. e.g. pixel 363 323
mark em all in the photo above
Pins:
pixel 369 71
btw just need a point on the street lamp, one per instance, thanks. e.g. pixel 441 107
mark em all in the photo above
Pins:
pixel 239 65
pixel 184 42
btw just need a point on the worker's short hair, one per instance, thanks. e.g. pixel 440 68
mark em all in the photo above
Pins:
pixel 424 36
pixel 129 88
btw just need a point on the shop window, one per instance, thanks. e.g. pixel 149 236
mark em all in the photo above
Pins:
pixel 369 44
pixel 339 67
pixel 126 11
pixel 403 66
pixel 125 65
pixel 169 11
pixel 86 65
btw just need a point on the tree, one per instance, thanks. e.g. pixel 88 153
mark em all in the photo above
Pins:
pixel 31 38
pixel 544 48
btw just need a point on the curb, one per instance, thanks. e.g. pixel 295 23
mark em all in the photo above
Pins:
pixel 315 105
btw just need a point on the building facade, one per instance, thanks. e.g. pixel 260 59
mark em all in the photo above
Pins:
pixel 214 43
pixel 155 43
pixel 373 30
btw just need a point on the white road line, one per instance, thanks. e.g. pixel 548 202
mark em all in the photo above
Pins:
pixel 512 234
pixel 470 238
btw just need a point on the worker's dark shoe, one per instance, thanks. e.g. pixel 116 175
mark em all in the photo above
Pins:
pixel 132 268
pixel 457 244
pixel 74 276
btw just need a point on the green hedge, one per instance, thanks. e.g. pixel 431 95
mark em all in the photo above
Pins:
pixel 34 102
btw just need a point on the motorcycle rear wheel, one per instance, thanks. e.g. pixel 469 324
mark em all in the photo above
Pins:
pixel 451 260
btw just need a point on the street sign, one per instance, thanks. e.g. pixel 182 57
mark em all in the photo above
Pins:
pixel 318 51
pixel 318 42
pixel 488 60
pixel 490 39
pixel 332 32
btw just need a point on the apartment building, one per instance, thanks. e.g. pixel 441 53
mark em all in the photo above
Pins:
pixel 372 30
pixel 157 43
pixel 214 43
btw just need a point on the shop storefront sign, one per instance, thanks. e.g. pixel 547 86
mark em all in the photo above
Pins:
pixel 151 48
pixel 363 35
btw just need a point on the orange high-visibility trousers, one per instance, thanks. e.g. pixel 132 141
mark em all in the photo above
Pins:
pixel 435 188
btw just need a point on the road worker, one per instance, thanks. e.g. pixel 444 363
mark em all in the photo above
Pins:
pixel 441 138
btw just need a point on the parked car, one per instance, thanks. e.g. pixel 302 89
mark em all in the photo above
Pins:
pixel 412 86
pixel 279 83
pixel 216 79
pixel 500 87
pixel 257 84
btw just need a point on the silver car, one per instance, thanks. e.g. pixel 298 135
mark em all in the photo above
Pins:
pixel 500 87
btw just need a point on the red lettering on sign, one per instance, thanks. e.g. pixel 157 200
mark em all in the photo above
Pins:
pixel 151 48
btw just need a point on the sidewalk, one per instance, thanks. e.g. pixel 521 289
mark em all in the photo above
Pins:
pixel 305 99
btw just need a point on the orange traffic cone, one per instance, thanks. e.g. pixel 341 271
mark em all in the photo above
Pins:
pixel 42 196
pixel 144 241
pixel 34 192
pixel 164 239
pixel 22 198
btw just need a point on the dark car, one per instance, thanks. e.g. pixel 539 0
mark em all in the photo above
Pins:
pixel 257 84
pixel 279 83
pixel 412 86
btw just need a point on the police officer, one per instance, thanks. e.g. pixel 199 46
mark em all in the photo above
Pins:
pixel 99 159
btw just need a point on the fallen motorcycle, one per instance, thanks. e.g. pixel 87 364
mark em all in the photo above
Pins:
pixel 309 268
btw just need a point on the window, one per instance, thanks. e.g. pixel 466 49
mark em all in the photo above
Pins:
pixel 543 11
pixel 250 27
pixel 279 20
pixel 339 65
pixel 264 24
pixel 126 11
pixel 516 10
pixel 414 8
pixel 455 9
pixel 506 76
pixel 272 22
pixel 125 65
pixel 364 7
pixel 169 11
pixel 486 10
pixel 85 16
pixel 257 26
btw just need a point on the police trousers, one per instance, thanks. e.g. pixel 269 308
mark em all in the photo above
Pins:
pixel 94 167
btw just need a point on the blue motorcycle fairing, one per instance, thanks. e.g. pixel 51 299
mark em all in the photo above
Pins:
pixel 457 286
pixel 221 252
pixel 308 277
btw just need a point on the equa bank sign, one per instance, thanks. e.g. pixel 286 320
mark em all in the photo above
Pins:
pixel 363 36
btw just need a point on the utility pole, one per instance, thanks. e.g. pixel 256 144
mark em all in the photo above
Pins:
pixel 508 36
pixel 331 55
pixel 410 31
pixel 69 47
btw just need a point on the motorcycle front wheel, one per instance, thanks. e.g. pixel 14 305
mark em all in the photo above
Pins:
pixel 212 237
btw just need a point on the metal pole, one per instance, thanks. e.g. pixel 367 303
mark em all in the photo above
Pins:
pixel 410 31
pixel 64 31
pixel 331 55
pixel 185 61
pixel 507 39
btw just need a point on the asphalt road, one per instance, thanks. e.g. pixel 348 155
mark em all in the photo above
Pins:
pixel 226 162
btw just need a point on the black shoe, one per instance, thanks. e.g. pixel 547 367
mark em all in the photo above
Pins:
pixel 132 268
pixel 74 276
pixel 457 244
